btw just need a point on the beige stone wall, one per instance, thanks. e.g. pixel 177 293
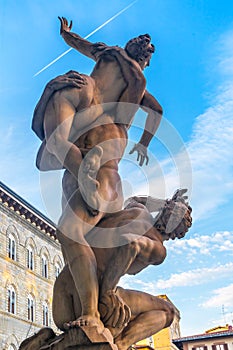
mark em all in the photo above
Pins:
pixel 15 327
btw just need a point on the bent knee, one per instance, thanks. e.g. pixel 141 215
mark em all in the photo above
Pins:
pixel 57 142
pixel 170 314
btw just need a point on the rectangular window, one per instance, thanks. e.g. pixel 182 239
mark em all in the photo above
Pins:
pixel 45 315
pixel 11 301
pixel 11 249
pixel 30 310
pixel 30 262
pixel 220 347
pixel 44 267
pixel 57 271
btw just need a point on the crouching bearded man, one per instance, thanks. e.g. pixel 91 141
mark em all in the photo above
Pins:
pixel 137 241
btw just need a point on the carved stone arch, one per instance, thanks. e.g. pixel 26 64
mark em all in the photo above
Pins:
pixel 12 347
pixel 12 229
pixel 44 250
pixel 13 341
pixel 57 259
pixel 30 254
pixel 12 235
pixel 32 290
pixel 58 265
pixel 31 306
pixel 46 312
pixel 31 242
pixel 12 287
pixel 45 266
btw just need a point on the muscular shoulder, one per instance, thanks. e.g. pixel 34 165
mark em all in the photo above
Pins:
pixel 98 49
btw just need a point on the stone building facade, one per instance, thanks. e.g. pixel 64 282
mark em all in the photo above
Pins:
pixel 213 339
pixel 30 260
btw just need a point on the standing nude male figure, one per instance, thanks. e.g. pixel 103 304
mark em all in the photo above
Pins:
pixel 125 83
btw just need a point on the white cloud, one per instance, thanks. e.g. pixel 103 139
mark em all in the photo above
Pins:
pixel 210 151
pixel 221 296
pixel 203 244
pixel 130 282
pixel 196 277
pixel 184 279
pixel 209 175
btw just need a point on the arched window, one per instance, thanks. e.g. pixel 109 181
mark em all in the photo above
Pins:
pixel 11 347
pixel 44 266
pixel 45 315
pixel 57 269
pixel 12 247
pixel 31 306
pixel 30 258
pixel 11 300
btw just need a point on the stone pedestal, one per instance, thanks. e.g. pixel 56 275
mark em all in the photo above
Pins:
pixel 81 338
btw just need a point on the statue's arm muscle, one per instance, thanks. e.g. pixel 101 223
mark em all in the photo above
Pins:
pixel 150 105
pixel 78 43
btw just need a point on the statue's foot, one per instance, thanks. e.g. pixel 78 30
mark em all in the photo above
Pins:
pixel 85 320
pixel 87 179
pixel 91 327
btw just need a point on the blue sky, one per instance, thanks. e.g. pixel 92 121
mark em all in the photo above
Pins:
pixel 191 75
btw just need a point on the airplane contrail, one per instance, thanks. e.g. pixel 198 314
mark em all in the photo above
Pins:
pixel 86 37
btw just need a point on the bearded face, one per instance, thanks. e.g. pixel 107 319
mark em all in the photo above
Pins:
pixel 140 49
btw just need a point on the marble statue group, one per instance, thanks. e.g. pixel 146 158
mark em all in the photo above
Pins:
pixel 82 122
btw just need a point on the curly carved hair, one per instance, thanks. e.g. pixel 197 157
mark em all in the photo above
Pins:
pixel 175 219
pixel 141 52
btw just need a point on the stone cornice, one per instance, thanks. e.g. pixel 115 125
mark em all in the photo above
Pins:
pixel 26 211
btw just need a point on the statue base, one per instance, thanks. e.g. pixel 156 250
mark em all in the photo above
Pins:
pixel 80 338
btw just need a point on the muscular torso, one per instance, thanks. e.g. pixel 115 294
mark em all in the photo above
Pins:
pixel 110 230
pixel 110 136
pixel 113 140
pixel 110 82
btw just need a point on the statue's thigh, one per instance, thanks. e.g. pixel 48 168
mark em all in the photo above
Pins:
pixel 140 302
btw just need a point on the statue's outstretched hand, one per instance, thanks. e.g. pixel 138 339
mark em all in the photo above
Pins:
pixel 65 27
pixel 142 153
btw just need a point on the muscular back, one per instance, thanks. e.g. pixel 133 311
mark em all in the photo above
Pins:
pixel 110 136
pixel 110 82
pixel 115 230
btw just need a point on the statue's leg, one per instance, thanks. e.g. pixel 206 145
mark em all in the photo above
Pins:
pixel 66 303
pixel 87 178
pixel 150 314
pixel 58 120
pixel 47 161
pixel 61 110
pixel 75 222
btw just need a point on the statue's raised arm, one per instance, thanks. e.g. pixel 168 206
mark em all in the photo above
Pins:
pixel 76 41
